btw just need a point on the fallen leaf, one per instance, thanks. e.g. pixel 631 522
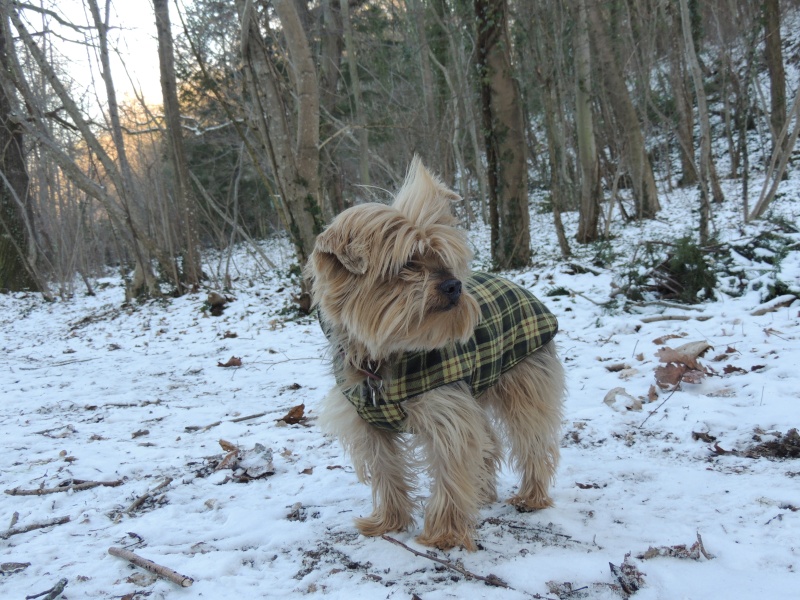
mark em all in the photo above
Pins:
pixel 628 402
pixel 233 361
pixel 669 376
pixel 731 369
pixel 227 446
pixel 703 436
pixel 295 415
pixel 660 341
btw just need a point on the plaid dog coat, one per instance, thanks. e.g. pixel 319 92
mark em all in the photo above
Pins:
pixel 514 324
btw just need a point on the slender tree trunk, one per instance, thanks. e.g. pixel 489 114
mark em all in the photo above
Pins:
pixel 192 269
pixel 504 131
pixel 288 126
pixel 627 120
pixel 144 281
pixel 362 133
pixel 773 54
pixel 587 149
pixel 331 46
pixel 16 259
pixel 684 127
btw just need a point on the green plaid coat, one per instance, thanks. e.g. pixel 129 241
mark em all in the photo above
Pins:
pixel 514 324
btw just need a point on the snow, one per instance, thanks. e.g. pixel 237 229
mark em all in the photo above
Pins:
pixel 94 390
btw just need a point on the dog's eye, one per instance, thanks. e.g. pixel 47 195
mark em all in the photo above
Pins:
pixel 412 266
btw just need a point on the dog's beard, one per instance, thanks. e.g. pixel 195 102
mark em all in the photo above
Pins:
pixel 375 324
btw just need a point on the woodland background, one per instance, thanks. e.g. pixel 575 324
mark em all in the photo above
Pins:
pixel 278 114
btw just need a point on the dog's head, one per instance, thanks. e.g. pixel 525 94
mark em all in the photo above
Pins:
pixel 389 278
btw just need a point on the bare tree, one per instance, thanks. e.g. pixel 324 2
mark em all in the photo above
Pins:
pixel 17 251
pixel 709 182
pixel 505 141
pixel 773 54
pixel 628 127
pixel 286 120
pixel 189 244
pixel 587 149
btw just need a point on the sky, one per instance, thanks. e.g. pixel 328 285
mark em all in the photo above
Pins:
pixel 133 35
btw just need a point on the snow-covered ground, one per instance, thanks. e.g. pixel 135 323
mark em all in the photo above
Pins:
pixel 134 396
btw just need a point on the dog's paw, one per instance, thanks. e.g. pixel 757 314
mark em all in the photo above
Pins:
pixel 378 523
pixel 448 540
pixel 523 504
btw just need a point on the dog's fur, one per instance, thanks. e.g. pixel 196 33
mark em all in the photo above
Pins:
pixel 377 273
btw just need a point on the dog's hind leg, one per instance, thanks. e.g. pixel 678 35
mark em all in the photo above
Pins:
pixel 528 401
pixel 454 433
pixel 379 458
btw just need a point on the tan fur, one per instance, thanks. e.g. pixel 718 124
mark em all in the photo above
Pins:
pixel 376 273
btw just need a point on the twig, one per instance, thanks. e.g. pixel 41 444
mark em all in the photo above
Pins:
pixel 17 530
pixel 585 297
pixel 53 593
pixel 149 565
pixel 247 418
pixel 655 410
pixel 488 580
pixel 78 486
pixel 669 305
pixel 140 500
pixel 674 318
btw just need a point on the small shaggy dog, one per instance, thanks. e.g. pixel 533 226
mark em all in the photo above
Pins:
pixel 422 346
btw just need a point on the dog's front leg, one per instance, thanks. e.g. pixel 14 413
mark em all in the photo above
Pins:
pixel 455 436
pixel 379 459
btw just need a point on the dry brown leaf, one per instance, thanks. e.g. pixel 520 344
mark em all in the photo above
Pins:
pixel 669 376
pixel 295 415
pixel 227 446
pixel 233 361
pixel 652 394
pixel 660 341
pixel 229 461
pixel 628 402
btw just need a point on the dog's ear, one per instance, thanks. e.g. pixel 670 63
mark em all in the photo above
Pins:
pixel 424 199
pixel 335 244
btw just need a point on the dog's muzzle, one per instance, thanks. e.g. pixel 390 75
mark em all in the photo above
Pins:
pixel 451 288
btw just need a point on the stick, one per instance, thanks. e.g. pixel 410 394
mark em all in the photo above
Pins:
pixel 247 418
pixel 674 318
pixel 75 487
pixel 488 580
pixel 140 500
pixel 149 565
pixel 17 530
pixel 53 593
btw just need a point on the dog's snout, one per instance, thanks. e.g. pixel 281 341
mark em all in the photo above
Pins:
pixel 451 288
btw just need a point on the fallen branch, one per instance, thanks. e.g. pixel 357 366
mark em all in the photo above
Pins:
pixel 75 486
pixel 17 530
pixel 53 593
pixel 674 318
pixel 488 580
pixel 140 500
pixel 149 565
pixel 248 417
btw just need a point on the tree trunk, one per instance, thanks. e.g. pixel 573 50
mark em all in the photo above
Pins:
pixel 16 260
pixel 773 54
pixel 191 268
pixel 504 131
pixel 584 123
pixel 355 84
pixel 627 120
pixel 289 134
pixel 144 280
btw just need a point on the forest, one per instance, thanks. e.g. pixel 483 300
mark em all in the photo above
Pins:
pixel 278 114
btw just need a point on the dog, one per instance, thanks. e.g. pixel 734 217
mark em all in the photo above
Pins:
pixel 421 346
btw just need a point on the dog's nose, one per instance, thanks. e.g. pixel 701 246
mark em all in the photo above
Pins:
pixel 452 289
